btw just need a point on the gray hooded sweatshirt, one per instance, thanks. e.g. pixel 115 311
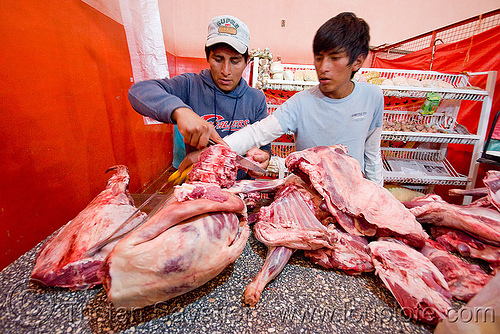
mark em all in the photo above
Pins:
pixel 228 112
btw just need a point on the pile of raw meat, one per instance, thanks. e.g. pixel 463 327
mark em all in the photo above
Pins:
pixel 342 220
pixel 325 208
pixel 186 243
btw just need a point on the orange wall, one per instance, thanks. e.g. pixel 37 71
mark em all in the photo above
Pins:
pixel 65 73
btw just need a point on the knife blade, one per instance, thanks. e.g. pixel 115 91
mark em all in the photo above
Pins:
pixel 244 162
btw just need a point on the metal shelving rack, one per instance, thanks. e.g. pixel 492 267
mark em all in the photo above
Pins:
pixel 459 89
pixel 450 130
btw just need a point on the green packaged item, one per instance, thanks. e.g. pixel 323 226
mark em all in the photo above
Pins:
pixel 430 104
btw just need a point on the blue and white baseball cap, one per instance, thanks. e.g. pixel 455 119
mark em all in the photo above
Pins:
pixel 230 30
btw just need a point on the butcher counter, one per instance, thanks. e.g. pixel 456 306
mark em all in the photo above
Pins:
pixel 304 298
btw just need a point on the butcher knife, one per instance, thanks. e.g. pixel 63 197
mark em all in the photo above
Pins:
pixel 244 162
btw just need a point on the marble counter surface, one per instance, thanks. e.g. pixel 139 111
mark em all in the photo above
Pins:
pixel 304 298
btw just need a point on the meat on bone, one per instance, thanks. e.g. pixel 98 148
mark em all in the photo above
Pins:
pixel 338 179
pixel 196 190
pixel 481 222
pixel 416 283
pixel 289 221
pixel 217 164
pixel 181 247
pixel 313 199
pixel 434 198
pixel 276 260
pixel 465 280
pixel 352 224
pixel 348 254
pixel 492 181
pixel 322 212
pixel 62 260
pixel 420 201
pixel 484 202
pixel 458 241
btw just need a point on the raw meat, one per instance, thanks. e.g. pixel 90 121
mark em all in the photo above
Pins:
pixel 416 283
pixel 287 224
pixel 217 164
pixel 252 200
pixel 433 198
pixel 463 243
pixel 484 202
pixel 465 280
pixel 312 197
pixel 483 312
pixel 321 210
pixel 481 222
pixel 181 247
pixel 62 260
pixel 478 192
pixel 492 181
pixel 254 191
pixel 349 253
pixel 289 221
pixel 195 190
pixel 276 260
pixel 348 223
pixel 338 179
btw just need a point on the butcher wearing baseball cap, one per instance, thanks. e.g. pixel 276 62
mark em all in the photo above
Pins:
pixel 229 30
pixel 212 103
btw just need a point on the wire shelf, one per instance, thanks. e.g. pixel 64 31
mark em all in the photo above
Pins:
pixel 435 128
pixel 291 86
pixel 456 87
pixel 419 167
pixel 442 138
pixel 447 94
pixel 412 154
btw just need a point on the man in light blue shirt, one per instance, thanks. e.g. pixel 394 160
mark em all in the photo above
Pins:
pixel 337 110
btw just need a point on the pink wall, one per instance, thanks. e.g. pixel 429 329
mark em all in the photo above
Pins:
pixel 185 22
pixel 66 118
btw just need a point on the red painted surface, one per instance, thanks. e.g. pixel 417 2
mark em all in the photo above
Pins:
pixel 65 73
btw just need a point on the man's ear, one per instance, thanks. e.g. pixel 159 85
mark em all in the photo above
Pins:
pixel 358 62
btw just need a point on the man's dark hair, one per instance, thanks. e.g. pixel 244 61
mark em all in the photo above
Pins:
pixel 344 32
pixel 208 49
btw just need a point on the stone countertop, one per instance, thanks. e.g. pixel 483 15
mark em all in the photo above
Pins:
pixel 304 298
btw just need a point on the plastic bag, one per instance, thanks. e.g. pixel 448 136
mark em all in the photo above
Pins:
pixel 430 104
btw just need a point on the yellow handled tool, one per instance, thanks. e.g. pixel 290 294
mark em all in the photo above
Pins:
pixel 177 178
